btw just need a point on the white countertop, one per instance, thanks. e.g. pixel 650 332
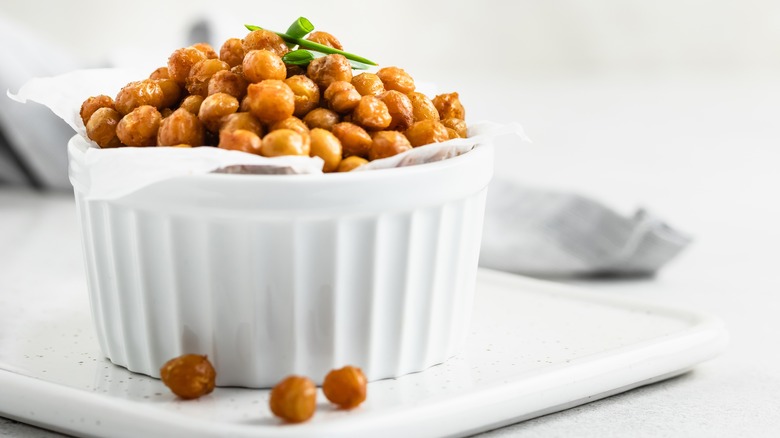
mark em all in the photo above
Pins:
pixel 702 154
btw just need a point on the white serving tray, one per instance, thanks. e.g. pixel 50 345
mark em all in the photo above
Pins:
pixel 535 348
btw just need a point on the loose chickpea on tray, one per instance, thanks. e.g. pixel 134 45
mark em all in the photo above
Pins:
pixel 268 96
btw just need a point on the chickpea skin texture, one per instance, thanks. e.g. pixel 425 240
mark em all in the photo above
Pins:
pixel 294 399
pixel 325 39
pixel 449 106
pixel 232 52
pixel 458 125
pixel 355 141
pixel 135 94
pixel 426 132
pixel 192 104
pixel 201 73
pixel 328 69
pixel 181 127
pixel 245 121
pixel 345 387
pixel 181 62
pixel 101 127
pixel 265 40
pixel 368 84
pixel 351 163
pixel 342 97
pixel 422 107
pixel 94 103
pixel 160 73
pixel 400 108
pixel 240 140
pixel 270 101
pixel 206 49
pixel 395 78
pixel 386 144
pixel 321 118
pixel 283 142
pixel 139 127
pixel 228 82
pixel 260 65
pixel 307 94
pixel 214 108
pixel 372 113
pixel 326 146
pixel 189 376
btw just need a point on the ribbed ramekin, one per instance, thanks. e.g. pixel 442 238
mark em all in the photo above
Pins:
pixel 271 275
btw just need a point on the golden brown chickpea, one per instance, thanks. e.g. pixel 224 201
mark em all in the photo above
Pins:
pixel 206 49
pixel 354 139
pixel 283 142
pixel 345 387
pixel 294 399
pixel 395 78
pixel 326 146
pixel 94 103
pixel 181 61
pixel 422 107
pixel 368 84
pixel 350 163
pixel 372 113
pixel 245 121
pixel 232 52
pixel 458 125
pixel 139 127
pixel 189 376
pixel 452 133
pixel 400 108
pixel 181 127
pixel 160 73
pixel 265 40
pixel 260 65
pixel 101 127
pixel 240 140
pixel 342 96
pixel 192 104
pixel 228 82
pixel 325 39
pixel 270 101
pixel 426 132
pixel 321 118
pixel 214 108
pixel 386 144
pixel 135 94
pixel 200 75
pixel 307 94
pixel 449 106
pixel 328 69
pixel 171 92
pixel 293 123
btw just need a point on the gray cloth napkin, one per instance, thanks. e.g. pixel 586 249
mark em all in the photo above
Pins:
pixel 544 233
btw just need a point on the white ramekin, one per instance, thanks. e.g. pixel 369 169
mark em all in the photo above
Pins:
pixel 271 275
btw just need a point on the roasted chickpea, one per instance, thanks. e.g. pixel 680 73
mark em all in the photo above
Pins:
pixel 345 387
pixel 452 133
pixel 206 49
pixel 321 118
pixel 426 132
pixel 192 104
pixel 458 125
pixel 422 107
pixel 214 108
pixel 240 140
pixel 368 84
pixel 181 61
pixel 245 121
pixel 283 142
pixel 171 92
pixel 189 376
pixel 94 103
pixel 294 399
pixel 135 94
pixel 232 52
pixel 328 69
pixel 294 70
pixel 342 96
pixel 307 94
pixel 386 144
pixel 228 82
pixel 354 139
pixel 200 75
pixel 265 40
pixel 325 39
pixel 160 73
pixel 101 127
pixel 395 78
pixel 271 100
pixel 400 108
pixel 350 163
pixel 372 113
pixel 165 112
pixel 139 127
pixel 260 65
pixel 293 123
pixel 326 146
pixel 449 106
pixel 181 127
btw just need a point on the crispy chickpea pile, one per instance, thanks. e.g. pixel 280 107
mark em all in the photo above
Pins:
pixel 244 97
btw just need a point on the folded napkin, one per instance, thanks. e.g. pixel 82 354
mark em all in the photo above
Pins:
pixel 544 233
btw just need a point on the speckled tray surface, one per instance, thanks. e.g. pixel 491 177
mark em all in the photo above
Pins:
pixel 535 348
